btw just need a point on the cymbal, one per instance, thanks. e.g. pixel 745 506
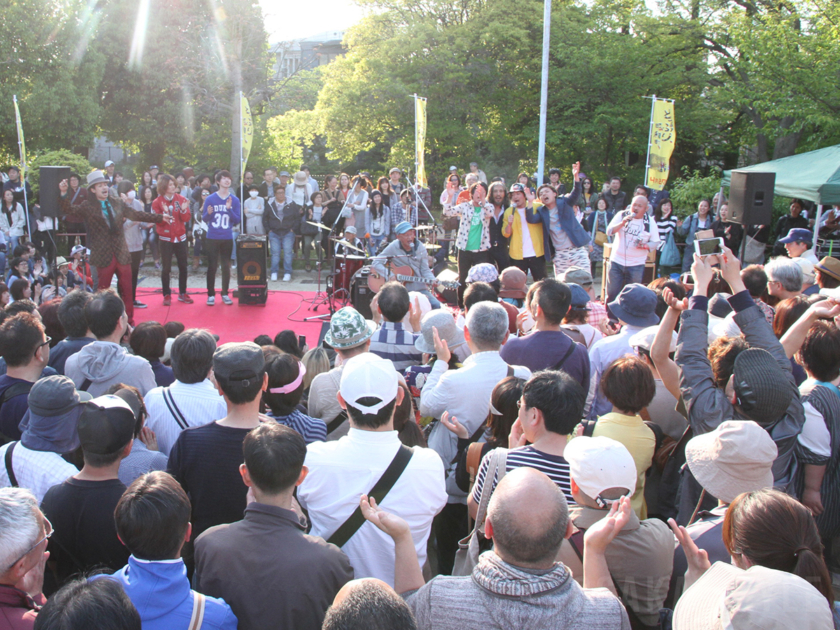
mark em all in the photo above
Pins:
pixel 320 225
pixel 347 244
pixel 424 227
pixel 431 246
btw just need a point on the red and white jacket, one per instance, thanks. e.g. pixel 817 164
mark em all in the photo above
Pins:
pixel 179 209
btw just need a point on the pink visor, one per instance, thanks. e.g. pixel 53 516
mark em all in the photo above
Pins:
pixel 286 389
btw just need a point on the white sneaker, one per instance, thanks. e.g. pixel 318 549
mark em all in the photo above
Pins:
pixel 227 300
pixel 274 277
pixel 287 277
pixel 211 300
pixel 233 265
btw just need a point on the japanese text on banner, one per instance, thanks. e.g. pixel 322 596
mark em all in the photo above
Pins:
pixel 663 137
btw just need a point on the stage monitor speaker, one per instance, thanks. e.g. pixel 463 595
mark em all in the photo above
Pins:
pixel 751 198
pixel 252 295
pixel 361 294
pixel 251 260
pixel 49 177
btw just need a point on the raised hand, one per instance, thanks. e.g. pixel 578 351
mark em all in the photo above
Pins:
pixel 391 524
pixel 517 435
pixel 672 301
pixel 698 559
pixel 441 347
pixel 602 533
pixel 576 171
pixel 63 186
pixel 451 423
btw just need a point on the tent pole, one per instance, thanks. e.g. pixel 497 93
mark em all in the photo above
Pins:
pixel 817 229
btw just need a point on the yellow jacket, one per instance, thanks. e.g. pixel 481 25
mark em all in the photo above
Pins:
pixel 514 233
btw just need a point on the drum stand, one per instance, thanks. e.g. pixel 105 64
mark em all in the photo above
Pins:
pixel 321 297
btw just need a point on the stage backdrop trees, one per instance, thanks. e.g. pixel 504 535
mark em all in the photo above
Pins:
pixel 46 59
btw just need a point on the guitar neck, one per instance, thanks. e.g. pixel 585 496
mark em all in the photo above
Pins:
pixel 401 278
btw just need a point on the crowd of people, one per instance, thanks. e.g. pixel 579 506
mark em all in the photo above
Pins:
pixel 532 456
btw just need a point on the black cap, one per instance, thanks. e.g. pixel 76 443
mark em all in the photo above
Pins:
pixel 106 425
pixel 239 361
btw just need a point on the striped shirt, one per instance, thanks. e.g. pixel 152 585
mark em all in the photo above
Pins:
pixel 310 429
pixel 666 226
pixel 392 341
pixel 554 466
pixel 200 404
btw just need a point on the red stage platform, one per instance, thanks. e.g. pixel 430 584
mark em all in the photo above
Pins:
pixel 283 310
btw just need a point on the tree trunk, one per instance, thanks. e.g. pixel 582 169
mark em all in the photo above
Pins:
pixel 786 145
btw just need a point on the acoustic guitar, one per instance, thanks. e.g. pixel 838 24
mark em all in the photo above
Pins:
pixel 404 274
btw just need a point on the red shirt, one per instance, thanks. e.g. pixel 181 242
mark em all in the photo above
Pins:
pixel 179 208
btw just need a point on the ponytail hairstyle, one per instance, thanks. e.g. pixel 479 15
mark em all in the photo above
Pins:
pixel 773 530
pixel 504 409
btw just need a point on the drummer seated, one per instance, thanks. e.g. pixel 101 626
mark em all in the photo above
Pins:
pixel 350 237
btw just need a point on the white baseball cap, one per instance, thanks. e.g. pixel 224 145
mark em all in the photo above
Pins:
pixel 644 339
pixel 109 163
pixel 599 463
pixel 368 375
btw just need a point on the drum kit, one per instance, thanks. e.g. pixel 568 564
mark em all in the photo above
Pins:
pixel 349 267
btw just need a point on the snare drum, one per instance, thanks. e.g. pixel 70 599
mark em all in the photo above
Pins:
pixel 345 267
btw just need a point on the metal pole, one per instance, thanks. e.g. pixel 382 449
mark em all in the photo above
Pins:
pixel 544 90
pixel 416 155
pixel 19 125
pixel 650 136
pixel 817 228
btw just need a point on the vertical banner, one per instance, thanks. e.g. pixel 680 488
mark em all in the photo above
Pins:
pixel 247 130
pixel 420 140
pixel 21 141
pixel 663 137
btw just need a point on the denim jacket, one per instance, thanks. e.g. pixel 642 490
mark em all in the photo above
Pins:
pixel 691 225
pixel 565 207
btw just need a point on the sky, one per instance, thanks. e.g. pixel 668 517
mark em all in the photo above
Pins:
pixel 298 20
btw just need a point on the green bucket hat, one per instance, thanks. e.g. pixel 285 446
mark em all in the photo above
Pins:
pixel 348 328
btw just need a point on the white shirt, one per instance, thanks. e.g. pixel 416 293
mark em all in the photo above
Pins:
pixel 341 471
pixel 527 244
pixel 200 404
pixel 37 471
pixel 626 248
pixel 601 354
pixel 465 393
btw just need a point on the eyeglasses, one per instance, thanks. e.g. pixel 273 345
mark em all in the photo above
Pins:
pixel 48 531
pixel 47 340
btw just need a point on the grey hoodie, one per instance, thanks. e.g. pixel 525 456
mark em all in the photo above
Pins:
pixel 501 596
pixel 105 364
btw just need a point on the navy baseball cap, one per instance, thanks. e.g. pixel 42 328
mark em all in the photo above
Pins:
pixel 798 235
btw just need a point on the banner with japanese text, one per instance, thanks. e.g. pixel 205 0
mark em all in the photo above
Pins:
pixel 247 130
pixel 663 137
pixel 420 140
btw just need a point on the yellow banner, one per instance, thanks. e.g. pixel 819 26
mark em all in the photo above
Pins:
pixel 21 142
pixel 247 130
pixel 663 137
pixel 420 140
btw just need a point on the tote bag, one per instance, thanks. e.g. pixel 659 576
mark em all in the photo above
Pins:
pixel 670 253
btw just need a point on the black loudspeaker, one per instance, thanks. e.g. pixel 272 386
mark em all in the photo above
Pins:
pixel 252 295
pixel 360 293
pixel 251 260
pixel 48 180
pixel 751 198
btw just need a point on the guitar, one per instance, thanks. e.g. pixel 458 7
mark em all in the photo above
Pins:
pixel 403 274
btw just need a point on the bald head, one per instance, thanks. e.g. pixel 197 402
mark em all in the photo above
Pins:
pixel 528 518
pixel 639 206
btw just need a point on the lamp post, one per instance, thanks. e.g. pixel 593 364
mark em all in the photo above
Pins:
pixel 544 90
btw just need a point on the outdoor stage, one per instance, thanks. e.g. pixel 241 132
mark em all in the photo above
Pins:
pixel 283 310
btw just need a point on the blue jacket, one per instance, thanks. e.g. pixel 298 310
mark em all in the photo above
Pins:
pixel 565 207
pixel 161 593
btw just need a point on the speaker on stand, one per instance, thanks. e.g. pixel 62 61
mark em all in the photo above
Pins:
pixel 48 180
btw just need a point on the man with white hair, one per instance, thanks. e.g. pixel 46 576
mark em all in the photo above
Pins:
pixel 465 394
pixel 784 278
pixel 23 553
pixel 635 235
pixel 370 460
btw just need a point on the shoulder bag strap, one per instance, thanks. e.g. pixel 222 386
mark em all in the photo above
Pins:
pixel 496 465
pixel 473 439
pixel 85 385
pixel 576 541
pixel 336 422
pixel 10 471
pixel 510 370
pixel 173 409
pixel 378 492
pixel 569 352
pixel 197 612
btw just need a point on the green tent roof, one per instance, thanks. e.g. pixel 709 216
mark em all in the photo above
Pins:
pixel 814 176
